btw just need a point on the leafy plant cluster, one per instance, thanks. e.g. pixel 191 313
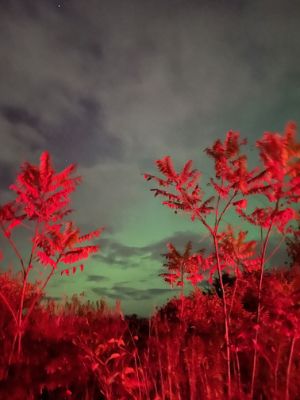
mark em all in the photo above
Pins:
pixel 238 340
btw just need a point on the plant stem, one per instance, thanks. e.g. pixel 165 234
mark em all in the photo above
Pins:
pixel 40 293
pixel 276 370
pixel 14 247
pixel 38 296
pixel 254 367
pixel 213 233
pixel 160 364
pixel 20 315
pixel 9 307
pixel 225 317
pixel 238 372
pixel 289 367
pixel 233 294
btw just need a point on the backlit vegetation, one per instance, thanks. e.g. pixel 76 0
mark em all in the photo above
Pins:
pixel 237 340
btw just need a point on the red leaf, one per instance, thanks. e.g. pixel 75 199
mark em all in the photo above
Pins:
pixel 113 357
pixel 45 259
pixel 165 166
pixel 128 370
pixel 91 235
pixel 65 271
pixel 78 254
pixel 95 365
pixel 241 203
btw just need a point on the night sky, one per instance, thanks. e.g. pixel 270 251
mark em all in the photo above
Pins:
pixel 115 85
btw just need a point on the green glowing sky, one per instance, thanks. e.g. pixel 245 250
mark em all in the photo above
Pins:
pixel 115 85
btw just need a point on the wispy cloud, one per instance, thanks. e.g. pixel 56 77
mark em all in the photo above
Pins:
pixel 132 293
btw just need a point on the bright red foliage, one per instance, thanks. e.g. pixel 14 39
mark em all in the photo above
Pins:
pixel 42 199
pixel 237 340
pixel 278 180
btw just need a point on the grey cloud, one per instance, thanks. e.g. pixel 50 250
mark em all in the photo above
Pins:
pixel 17 115
pixel 179 240
pixel 96 278
pixel 104 292
pixel 82 137
pixel 116 253
pixel 7 175
pixel 156 292
pixel 65 115
pixel 113 252
pixel 129 293
pixel 79 136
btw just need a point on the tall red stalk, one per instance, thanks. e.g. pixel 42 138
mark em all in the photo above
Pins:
pixel 289 367
pixel 42 197
pixel 277 154
pixel 258 314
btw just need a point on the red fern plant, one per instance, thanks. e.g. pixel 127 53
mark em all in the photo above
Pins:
pixel 278 180
pixel 280 158
pixel 182 266
pixel 41 205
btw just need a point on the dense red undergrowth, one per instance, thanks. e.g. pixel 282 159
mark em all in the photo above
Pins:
pixel 237 340
pixel 87 351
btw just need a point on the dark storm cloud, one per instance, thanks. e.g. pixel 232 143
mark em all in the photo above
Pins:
pixel 7 175
pixel 17 115
pixel 82 137
pixel 20 121
pixel 78 137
